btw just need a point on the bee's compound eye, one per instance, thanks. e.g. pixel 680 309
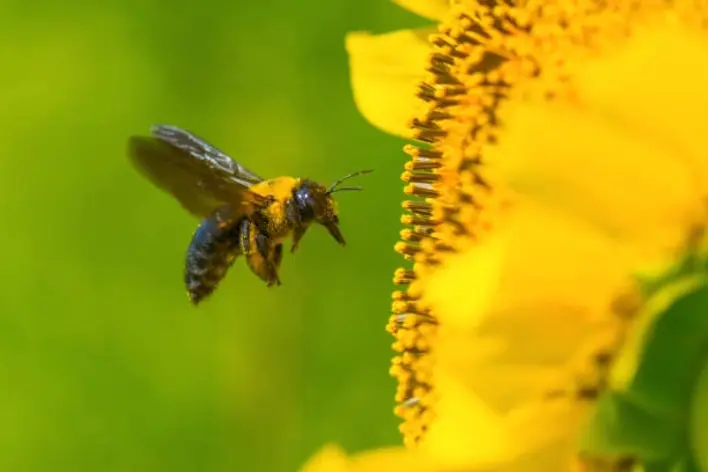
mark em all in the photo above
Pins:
pixel 302 196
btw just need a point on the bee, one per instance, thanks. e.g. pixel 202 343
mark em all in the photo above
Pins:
pixel 241 213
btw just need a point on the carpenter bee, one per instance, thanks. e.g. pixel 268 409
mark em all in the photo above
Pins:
pixel 241 212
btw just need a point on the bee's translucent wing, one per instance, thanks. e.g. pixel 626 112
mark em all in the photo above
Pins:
pixel 200 176
pixel 203 151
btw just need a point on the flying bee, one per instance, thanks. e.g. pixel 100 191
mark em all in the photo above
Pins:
pixel 241 213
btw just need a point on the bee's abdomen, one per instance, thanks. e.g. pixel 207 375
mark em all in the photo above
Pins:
pixel 213 249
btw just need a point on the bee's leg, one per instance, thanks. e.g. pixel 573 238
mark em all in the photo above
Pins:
pixel 272 264
pixel 260 267
pixel 260 223
pixel 245 236
pixel 262 244
pixel 277 259
pixel 266 258
pixel 298 233
pixel 292 213
pixel 260 218
pixel 252 246
pixel 251 236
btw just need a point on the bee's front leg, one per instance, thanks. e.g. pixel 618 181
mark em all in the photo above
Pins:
pixel 292 213
pixel 298 233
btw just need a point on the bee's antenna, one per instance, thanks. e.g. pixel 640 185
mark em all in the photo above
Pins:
pixel 333 188
pixel 343 189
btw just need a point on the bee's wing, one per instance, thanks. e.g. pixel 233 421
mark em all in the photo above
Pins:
pixel 198 175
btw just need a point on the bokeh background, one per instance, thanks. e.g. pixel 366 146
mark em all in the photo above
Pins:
pixel 104 365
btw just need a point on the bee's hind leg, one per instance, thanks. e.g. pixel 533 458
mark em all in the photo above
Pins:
pixel 272 257
pixel 258 263
pixel 262 268
pixel 275 263
pixel 276 257
pixel 266 268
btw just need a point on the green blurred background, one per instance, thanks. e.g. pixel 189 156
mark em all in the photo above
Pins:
pixel 104 365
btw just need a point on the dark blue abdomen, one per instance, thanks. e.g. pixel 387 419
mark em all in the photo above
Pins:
pixel 213 249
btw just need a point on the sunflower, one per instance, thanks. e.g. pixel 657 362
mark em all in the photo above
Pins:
pixel 555 220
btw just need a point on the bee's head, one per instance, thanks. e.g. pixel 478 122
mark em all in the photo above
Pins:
pixel 315 203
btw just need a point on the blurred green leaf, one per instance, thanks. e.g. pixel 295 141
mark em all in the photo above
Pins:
pixel 652 418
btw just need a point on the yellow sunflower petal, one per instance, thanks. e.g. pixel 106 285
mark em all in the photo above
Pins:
pixel 385 72
pixel 641 189
pixel 518 324
pixel 467 433
pixel 431 9
pixel 531 258
pixel 393 459
pixel 465 288
pixel 644 94
pixel 332 458
pixel 627 152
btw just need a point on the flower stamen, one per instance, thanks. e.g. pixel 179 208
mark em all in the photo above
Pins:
pixel 445 171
